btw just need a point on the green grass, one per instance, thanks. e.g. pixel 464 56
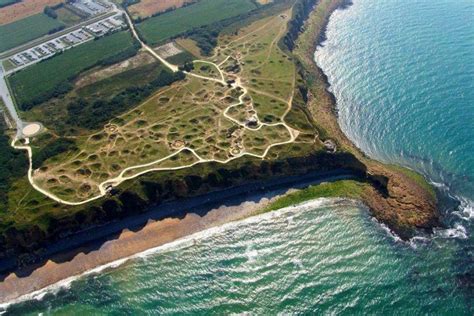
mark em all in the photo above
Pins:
pixel 45 76
pixel 344 188
pixel 181 58
pixel 25 30
pixel 205 12
pixel 8 65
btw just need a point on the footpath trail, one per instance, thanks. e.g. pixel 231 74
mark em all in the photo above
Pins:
pixel 106 185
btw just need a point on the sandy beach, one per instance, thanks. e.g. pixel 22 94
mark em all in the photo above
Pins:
pixel 154 234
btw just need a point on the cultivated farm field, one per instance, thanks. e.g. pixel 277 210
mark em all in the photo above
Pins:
pixel 170 24
pixel 146 8
pixel 25 30
pixel 24 9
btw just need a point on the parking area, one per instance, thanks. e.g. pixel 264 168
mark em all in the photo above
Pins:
pixel 52 47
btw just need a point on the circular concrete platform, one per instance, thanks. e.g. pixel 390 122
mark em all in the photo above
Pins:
pixel 31 129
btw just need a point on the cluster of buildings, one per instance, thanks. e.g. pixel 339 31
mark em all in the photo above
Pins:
pixel 106 26
pixel 91 7
pixel 68 40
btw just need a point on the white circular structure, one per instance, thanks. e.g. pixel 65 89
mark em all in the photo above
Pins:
pixel 31 129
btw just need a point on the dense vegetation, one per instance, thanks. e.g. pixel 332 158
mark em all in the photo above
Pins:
pixel 181 58
pixel 50 12
pixel 90 114
pixel 13 164
pixel 168 25
pixel 52 77
pixel 25 30
pixel 51 149
pixel 347 188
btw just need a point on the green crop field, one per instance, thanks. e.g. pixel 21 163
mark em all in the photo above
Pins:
pixel 44 77
pixel 25 30
pixel 165 26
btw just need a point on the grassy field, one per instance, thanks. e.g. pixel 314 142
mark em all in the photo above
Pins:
pixel 45 76
pixel 345 188
pixel 54 113
pixel 189 114
pixel 27 29
pixel 170 24
pixel 181 58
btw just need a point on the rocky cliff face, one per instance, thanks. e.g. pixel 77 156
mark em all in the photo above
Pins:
pixel 394 198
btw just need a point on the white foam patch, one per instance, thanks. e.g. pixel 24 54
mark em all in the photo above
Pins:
pixel 389 231
pixel 466 209
pixel 458 231
pixel 176 245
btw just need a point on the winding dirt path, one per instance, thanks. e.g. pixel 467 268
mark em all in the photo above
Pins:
pixel 105 186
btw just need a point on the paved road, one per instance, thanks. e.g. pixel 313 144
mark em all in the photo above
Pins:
pixel 38 41
pixel 7 99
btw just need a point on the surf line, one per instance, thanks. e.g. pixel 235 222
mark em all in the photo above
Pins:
pixel 180 243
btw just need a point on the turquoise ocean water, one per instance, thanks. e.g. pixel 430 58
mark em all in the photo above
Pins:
pixel 403 75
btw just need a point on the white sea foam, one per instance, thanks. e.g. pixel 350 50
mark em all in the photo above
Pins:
pixel 458 231
pixel 390 232
pixel 466 209
pixel 175 245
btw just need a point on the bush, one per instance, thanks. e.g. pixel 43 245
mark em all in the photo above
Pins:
pixel 52 149
pixel 50 12
pixel 13 164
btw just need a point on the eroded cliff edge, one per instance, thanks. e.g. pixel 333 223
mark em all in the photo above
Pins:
pixel 397 197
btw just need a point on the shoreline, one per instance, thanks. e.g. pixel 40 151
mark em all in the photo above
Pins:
pixel 404 204
pixel 115 252
pixel 134 240
pixel 180 234
pixel 90 238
